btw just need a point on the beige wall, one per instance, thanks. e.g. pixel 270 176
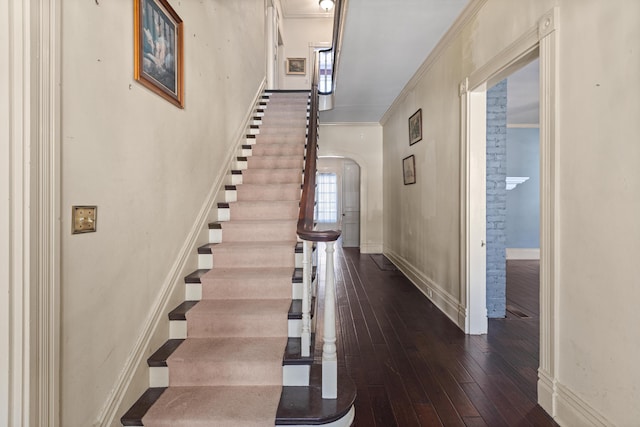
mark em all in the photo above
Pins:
pixel 298 34
pixel 363 144
pixel 599 184
pixel 148 166
pixel 600 205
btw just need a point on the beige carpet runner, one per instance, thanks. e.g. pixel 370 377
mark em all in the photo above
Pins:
pixel 228 372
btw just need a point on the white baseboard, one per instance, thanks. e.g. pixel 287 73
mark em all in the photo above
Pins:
pixel 566 407
pixel 441 298
pixel 571 410
pixel 523 253
pixel 115 406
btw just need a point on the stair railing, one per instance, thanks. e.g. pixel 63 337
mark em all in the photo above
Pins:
pixel 306 223
pixel 308 233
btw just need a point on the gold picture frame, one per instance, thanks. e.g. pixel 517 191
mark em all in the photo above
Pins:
pixel 158 49
pixel 297 66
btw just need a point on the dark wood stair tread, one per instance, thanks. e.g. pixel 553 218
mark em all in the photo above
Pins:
pixel 179 313
pixel 206 249
pixel 195 276
pixel 159 358
pixel 134 415
pixel 305 405
pixel 297 274
pixel 292 353
pixel 295 309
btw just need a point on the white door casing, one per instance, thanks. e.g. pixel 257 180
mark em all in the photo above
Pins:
pixel 540 41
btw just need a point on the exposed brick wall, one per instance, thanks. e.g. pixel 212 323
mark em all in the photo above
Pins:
pixel 496 199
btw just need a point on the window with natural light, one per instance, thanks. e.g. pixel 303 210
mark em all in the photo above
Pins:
pixel 327 198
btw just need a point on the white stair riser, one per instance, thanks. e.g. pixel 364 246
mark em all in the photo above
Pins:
pixel 205 261
pixel 295 328
pixel 158 376
pixel 241 165
pixel 236 179
pixel 230 195
pixel 193 292
pixel 215 235
pixel 224 214
pixel 177 329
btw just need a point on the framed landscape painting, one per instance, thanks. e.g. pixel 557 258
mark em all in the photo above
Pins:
pixel 158 49
pixel 296 65
pixel 415 127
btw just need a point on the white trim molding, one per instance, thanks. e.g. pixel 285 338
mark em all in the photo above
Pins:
pixel 539 41
pixel 30 181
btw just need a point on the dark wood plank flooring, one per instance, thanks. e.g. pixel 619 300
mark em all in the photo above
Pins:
pixel 413 367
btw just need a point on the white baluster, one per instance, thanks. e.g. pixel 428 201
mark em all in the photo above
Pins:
pixel 329 354
pixel 306 298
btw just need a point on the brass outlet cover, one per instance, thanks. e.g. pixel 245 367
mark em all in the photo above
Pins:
pixel 83 219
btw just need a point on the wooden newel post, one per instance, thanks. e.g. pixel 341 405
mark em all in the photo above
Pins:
pixel 329 354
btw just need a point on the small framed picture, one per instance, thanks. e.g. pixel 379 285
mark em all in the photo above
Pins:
pixel 297 66
pixel 415 127
pixel 409 170
pixel 158 42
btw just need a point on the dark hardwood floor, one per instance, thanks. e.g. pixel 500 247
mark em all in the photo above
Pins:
pixel 413 367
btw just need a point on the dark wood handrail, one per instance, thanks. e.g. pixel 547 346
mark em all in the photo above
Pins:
pixel 306 223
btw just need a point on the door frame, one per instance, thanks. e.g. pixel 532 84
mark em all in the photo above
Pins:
pixel 30 181
pixel 540 41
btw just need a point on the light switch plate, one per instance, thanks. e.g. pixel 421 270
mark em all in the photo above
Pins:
pixel 83 219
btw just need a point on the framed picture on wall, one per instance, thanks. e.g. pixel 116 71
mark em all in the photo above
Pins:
pixel 409 170
pixel 158 49
pixel 297 66
pixel 415 127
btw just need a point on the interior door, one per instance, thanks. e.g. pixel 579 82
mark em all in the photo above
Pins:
pixel 350 205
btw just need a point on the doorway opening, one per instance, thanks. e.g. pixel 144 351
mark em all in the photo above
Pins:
pixel 540 42
pixel 512 191
pixel 339 198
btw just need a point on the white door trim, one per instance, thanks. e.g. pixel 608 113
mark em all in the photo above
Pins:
pixel 30 181
pixel 539 41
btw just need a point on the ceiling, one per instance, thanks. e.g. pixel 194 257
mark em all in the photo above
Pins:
pixel 384 44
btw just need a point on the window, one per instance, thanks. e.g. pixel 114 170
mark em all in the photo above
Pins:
pixel 326 71
pixel 327 198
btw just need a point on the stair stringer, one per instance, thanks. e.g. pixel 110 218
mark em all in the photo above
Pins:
pixel 133 379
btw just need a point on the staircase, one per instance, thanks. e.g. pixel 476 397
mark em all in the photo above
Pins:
pixel 233 357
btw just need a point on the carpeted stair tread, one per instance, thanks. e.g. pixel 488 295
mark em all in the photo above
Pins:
pixel 289 191
pixel 247 283
pixel 248 406
pixel 272 176
pixel 253 254
pixel 227 361
pixel 238 317
pixel 264 209
pixel 259 230
pixel 277 149
pixel 275 162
